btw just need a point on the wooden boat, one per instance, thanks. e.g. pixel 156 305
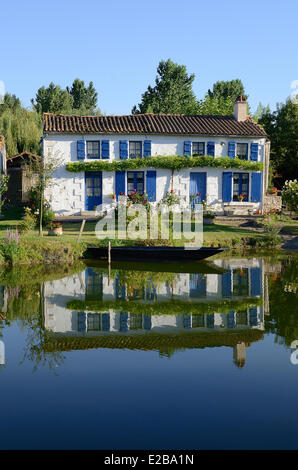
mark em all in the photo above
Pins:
pixel 156 253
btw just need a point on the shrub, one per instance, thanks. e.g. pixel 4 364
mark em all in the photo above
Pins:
pixel 28 221
pixel 290 195
pixel 170 198
pixel 10 247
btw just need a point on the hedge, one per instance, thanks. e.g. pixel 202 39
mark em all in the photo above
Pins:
pixel 170 162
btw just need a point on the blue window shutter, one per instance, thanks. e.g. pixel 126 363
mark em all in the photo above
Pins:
pixel 254 152
pixel 105 149
pixel 253 317
pixel 231 319
pixel 151 185
pixel 187 148
pixel 123 149
pixel 186 321
pixel 256 187
pixel 120 183
pixel 210 148
pixel 210 320
pixel 227 284
pixel 227 177
pixel 147 322
pixel 147 148
pixel 256 281
pixel 231 149
pixel 105 321
pixel 81 149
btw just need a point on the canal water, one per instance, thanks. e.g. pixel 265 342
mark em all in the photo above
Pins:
pixel 156 356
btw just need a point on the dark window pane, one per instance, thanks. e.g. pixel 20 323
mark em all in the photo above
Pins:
pixel 242 151
pixel 93 149
pixel 135 149
pixel 198 148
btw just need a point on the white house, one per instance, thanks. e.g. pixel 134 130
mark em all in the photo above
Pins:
pixel 115 154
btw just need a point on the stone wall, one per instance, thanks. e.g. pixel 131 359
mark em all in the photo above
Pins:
pixel 272 203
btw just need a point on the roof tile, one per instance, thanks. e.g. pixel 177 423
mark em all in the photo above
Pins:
pixel 175 124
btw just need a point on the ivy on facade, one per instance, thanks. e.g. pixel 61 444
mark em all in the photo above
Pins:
pixel 170 162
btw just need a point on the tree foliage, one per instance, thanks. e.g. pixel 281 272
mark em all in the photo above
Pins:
pixel 229 89
pixel 77 99
pixel 21 128
pixel 84 98
pixel 216 105
pixel 172 92
pixel 282 129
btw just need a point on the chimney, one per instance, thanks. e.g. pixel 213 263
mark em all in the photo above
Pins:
pixel 240 108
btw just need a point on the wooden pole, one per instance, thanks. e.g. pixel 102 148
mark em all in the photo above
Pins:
pixel 109 253
pixel 81 229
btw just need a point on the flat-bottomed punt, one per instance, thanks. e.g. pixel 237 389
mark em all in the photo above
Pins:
pixel 158 253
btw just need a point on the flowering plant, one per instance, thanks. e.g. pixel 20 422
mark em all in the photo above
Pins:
pixel 53 225
pixel 170 198
pixel 241 197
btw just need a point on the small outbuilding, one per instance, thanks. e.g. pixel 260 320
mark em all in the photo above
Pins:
pixel 21 178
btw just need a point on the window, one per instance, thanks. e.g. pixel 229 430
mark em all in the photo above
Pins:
pixel 242 151
pixel 93 149
pixel 198 320
pixel 198 148
pixel 93 284
pixel 240 282
pixel 135 149
pixel 93 322
pixel 135 181
pixel 240 186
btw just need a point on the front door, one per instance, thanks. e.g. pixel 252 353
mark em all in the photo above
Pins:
pixel 93 184
pixel 197 187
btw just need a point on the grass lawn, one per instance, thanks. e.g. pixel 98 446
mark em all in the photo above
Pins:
pixel 215 234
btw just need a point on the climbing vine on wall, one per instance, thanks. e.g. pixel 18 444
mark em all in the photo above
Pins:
pixel 171 162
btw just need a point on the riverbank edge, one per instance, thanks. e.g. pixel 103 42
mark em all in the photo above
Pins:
pixel 48 251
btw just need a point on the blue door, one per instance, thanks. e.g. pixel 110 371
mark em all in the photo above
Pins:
pixel 93 185
pixel 197 187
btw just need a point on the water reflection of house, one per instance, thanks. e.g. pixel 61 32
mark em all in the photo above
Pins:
pixel 184 310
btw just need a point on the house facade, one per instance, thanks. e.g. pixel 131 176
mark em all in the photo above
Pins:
pixel 85 140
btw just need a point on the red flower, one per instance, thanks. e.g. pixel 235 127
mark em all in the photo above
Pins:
pixel 198 194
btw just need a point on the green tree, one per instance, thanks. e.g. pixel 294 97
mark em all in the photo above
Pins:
pixel 53 99
pixel 227 89
pixel 172 92
pixel 84 98
pixel 260 111
pixel 216 105
pixel 21 128
pixel 282 129
pixel 10 102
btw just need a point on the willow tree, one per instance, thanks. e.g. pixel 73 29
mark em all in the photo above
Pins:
pixel 22 128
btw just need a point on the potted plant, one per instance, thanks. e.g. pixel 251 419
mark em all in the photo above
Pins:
pixel 55 228
pixel 241 197
pixel 272 191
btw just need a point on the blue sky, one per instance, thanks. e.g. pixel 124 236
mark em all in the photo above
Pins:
pixel 118 44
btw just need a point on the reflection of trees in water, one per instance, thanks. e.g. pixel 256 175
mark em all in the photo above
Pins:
pixel 282 320
pixel 35 351
pixel 23 287
pixel 37 337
